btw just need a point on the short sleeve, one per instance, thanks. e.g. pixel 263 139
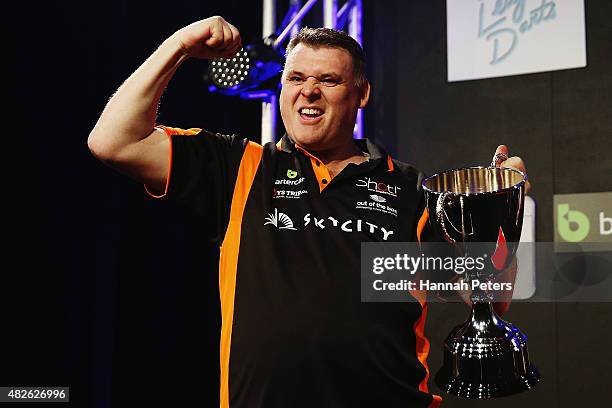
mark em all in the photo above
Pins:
pixel 202 174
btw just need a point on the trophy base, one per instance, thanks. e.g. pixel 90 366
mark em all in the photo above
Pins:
pixel 486 357
pixel 459 388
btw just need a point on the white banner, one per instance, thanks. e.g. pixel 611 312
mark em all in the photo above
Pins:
pixel 493 38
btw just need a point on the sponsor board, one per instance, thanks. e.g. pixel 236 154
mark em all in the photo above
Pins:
pixel 494 38
pixel 583 222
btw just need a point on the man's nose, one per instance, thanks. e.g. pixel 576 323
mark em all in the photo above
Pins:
pixel 311 87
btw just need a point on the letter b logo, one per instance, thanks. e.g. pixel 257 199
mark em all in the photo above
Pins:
pixel 573 225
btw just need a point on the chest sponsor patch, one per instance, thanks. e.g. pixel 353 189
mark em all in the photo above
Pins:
pixel 290 182
pixel 376 206
pixel 378 187
pixel 279 193
pixel 351 225
pixel 281 220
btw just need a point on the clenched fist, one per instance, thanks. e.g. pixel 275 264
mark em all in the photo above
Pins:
pixel 209 38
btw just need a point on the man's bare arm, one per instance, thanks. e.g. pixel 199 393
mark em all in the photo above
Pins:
pixel 124 136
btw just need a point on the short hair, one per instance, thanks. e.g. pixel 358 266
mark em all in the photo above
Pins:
pixel 328 37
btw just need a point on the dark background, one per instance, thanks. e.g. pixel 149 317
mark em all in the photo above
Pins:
pixel 116 295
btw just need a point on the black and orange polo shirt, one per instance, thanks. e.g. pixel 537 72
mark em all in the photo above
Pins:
pixel 294 330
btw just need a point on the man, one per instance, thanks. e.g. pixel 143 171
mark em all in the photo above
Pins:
pixel 289 219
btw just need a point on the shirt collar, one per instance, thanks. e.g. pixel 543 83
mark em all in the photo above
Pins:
pixel 366 145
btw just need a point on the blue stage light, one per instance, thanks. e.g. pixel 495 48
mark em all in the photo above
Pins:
pixel 253 68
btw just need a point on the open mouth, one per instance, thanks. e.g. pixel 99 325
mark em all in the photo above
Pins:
pixel 309 114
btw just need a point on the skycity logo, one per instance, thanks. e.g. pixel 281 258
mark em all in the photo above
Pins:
pixel 378 186
pixel 279 220
pixel 348 225
pixel 283 221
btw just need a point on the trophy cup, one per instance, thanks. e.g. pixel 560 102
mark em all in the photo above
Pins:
pixel 485 357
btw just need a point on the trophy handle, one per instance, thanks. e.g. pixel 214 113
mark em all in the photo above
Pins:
pixel 464 231
pixel 441 217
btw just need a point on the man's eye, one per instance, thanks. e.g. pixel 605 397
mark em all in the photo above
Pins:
pixel 295 79
pixel 329 82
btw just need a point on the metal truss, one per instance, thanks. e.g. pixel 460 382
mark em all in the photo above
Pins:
pixel 348 16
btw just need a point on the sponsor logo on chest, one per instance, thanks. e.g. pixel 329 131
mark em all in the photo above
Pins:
pixel 379 202
pixel 282 187
pixel 282 221
pixel 378 187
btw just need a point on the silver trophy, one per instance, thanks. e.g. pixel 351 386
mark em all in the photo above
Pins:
pixel 485 357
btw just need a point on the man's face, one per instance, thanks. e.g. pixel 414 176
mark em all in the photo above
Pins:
pixel 319 99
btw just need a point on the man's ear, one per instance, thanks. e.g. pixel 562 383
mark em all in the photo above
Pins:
pixel 365 94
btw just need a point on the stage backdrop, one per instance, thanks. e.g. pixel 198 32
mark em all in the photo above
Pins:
pixel 558 122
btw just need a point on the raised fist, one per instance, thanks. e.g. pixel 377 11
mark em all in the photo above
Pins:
pixel 209 38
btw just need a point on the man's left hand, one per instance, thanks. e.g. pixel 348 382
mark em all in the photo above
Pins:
pixel 514 162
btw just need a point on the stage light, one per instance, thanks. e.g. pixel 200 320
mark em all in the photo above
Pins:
pixel 250 70
pixel 226 73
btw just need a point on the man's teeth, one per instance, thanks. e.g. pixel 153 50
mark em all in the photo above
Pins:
pixel 309 111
